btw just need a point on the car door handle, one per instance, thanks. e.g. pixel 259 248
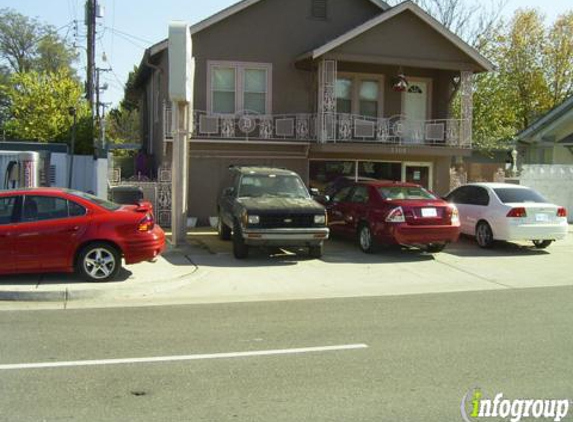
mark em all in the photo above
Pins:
pixel 72 229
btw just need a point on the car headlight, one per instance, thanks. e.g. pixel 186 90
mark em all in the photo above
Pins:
pixel 253 219
pixel 320 219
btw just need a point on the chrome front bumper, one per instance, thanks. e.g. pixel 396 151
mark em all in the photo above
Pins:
pixel 285 237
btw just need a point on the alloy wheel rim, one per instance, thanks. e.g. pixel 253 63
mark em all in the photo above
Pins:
pixel 483 234
pixel 99 263
pixel 365 238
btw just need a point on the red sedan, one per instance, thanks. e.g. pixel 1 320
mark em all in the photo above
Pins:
pixel 393 213
pixel 59 230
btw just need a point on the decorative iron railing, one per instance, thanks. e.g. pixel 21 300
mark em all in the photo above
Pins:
pixel 396 130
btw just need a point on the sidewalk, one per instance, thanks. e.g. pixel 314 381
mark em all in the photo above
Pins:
pixel 169 272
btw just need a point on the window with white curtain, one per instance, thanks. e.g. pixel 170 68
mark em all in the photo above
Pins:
pixel 344 95
pixel 235 87
pixel 369 96
pixel 223 90
pixel 360 94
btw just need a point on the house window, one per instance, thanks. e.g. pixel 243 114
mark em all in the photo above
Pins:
pixel 235 87
pixel 368 96
pixel 255 93
pixel 344 95
pixel 359 94
pixel 319 9
pixel 223 86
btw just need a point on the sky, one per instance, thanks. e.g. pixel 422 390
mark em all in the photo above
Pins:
pixel 130 26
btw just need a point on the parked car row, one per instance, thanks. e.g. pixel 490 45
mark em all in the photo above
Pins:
pixel 271 207
pixel 61 230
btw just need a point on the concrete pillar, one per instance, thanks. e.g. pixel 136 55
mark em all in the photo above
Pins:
pixel 180 174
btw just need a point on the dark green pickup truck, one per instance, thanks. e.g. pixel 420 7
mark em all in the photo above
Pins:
pixel 270 207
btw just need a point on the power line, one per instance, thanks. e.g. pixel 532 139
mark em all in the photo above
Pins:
pixel 130 41
pixel 130 35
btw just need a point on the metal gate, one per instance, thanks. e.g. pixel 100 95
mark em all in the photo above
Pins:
pixel 158 192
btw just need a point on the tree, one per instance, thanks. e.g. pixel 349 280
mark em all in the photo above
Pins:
pixel 534 74
pixel 558 59
pixel 39 108
pixel 27 44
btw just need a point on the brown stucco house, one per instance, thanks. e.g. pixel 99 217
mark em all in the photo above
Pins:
pixel 327 88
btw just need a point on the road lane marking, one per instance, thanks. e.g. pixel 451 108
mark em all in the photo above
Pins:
pixel 42 365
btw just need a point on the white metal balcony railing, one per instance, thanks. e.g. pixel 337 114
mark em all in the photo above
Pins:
pixel 396 130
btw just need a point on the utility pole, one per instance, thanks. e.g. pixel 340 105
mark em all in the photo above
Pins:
pixel 101 153
pixel 91 36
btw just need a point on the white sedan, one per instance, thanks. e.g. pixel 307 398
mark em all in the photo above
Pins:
pixel 501 211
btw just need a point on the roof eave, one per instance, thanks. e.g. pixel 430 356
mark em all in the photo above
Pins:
pixel 483 62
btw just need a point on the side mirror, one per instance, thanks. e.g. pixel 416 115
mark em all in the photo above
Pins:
pixel 322 199
pixel 229 191
pixel 314 192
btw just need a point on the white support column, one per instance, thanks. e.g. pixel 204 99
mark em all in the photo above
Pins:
pixel 181 83
pixel 466 91
pixel 327 70
pixel 179 183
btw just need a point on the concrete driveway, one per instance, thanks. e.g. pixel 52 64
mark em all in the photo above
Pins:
pixel 345 271
pixel 207 272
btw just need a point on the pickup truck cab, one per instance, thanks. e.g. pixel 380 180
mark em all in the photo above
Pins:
pixel 265 206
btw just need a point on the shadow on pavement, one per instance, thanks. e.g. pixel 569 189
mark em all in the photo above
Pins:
pixel 468 248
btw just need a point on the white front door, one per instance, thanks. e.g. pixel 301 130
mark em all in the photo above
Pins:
pixel 416 101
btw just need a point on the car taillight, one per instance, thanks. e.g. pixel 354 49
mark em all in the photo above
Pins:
pixel 454 214
pixel 561 212
pixel 146 224
pixel 517 213
pixel 396 216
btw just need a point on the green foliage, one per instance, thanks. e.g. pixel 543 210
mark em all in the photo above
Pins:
pixel 39 108
pixel 534 74
pixel 27 44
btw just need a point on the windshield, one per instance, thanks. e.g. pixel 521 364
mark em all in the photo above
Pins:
pixel 108 205
pixel 405 193
pixel 518 195
pixel 284 186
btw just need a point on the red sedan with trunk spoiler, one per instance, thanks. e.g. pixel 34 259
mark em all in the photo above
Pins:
pixel 385 212
pixel 61 230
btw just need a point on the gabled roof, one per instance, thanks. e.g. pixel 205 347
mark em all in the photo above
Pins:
pixel 389 14
pixel 237 7
pixel 545 120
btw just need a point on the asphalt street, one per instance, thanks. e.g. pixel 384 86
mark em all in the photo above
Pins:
pixel 423 354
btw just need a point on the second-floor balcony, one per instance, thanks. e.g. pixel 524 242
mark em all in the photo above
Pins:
pixel 335 128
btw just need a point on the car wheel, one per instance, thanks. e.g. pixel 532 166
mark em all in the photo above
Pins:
pixel 223 230
pixel 542 244
pixel 240 249
pixel 435 247
pixel 98 261
pixel 316 251
pixel 365 239
pixel 484 235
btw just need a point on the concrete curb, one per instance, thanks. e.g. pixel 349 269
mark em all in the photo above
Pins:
pixel 84 291
pixel 67 295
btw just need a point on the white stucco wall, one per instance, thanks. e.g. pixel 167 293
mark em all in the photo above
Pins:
pixel 555 182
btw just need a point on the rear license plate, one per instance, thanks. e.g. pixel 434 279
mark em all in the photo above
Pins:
pixel 541 218
pixel 429 212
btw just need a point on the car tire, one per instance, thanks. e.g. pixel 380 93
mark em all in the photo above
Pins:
pixel 240 249
pixel 316 251
pixel 435 247
pixel 98 262
pixel 223 230
pixel 365 239
pixel 542 244
pixel 484 235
